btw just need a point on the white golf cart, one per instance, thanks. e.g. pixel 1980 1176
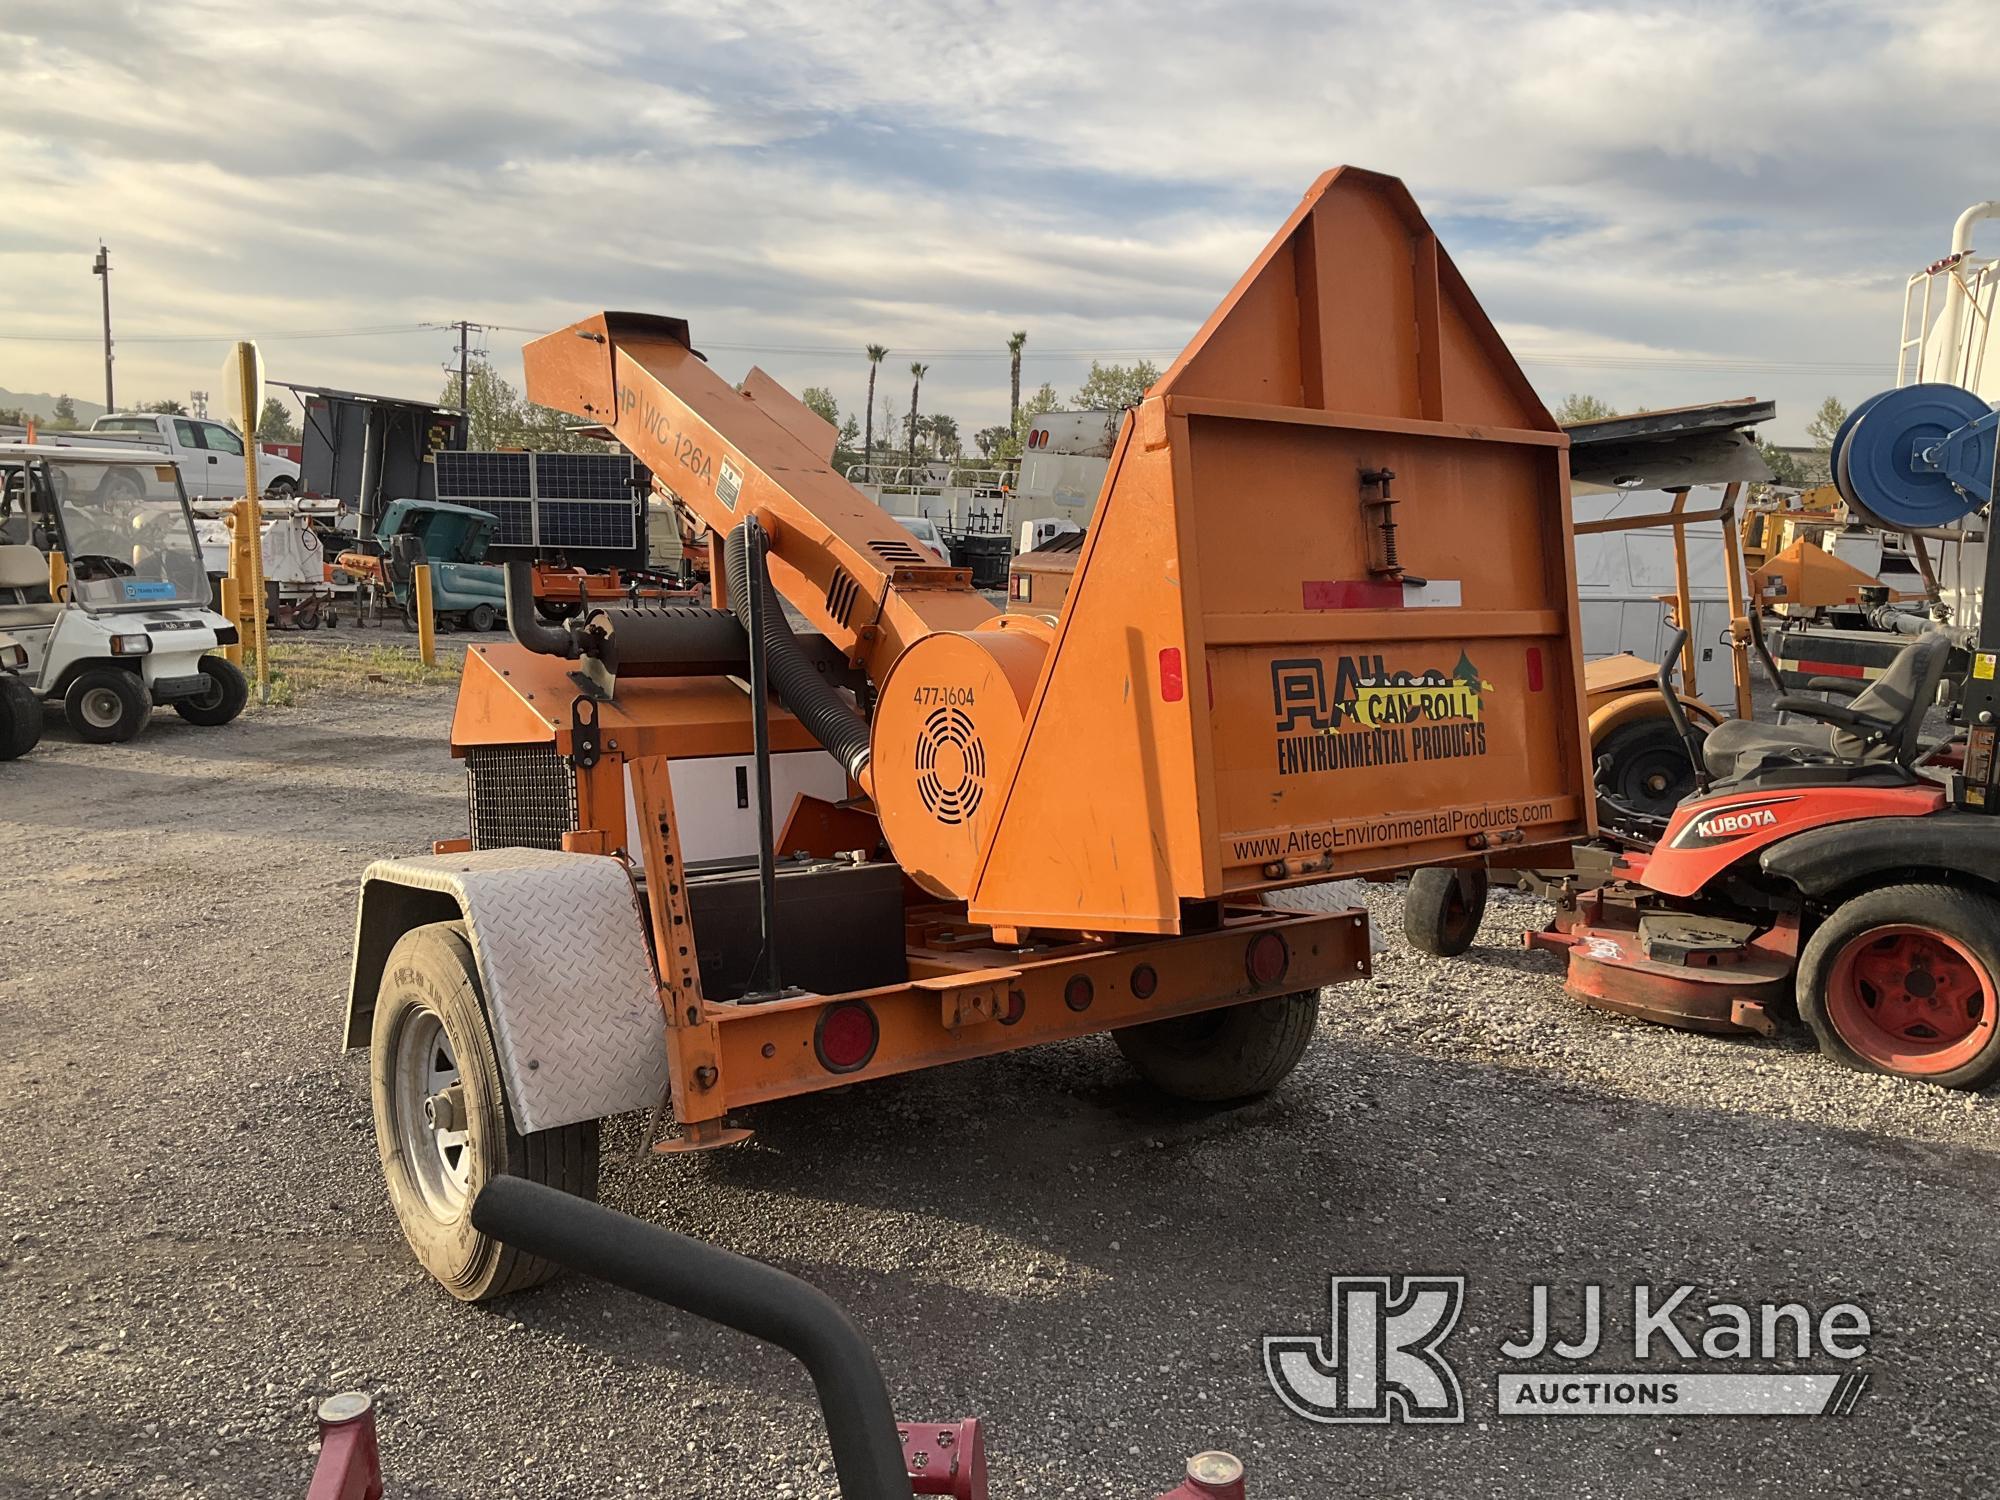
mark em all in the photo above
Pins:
pixel 130 627
pixel 20 709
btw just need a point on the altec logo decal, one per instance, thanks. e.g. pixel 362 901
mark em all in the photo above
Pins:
pixel 1372 716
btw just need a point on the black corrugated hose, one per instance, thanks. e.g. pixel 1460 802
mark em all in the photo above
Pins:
pixel 804 692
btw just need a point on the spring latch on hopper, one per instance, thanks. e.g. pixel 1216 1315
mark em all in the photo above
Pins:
pixel 1379 511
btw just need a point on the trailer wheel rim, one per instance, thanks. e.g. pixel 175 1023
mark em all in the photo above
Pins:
pixel 439 1155
pixel 102 708
pixel 1911 999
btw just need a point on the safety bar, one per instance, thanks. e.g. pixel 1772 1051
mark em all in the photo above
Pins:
pixel 724 1288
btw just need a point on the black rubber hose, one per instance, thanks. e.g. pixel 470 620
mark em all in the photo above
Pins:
pixel 736 1292
pixel 810 698
pixel 549 640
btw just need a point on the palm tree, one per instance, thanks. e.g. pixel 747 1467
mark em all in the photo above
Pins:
pixel 944 433
pixel 917 374
pixel 876 352
pixel 1014 342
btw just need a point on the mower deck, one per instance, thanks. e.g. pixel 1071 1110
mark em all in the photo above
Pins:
pixel 1630 955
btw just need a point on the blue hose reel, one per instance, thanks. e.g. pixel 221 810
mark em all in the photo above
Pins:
pixel 1919 456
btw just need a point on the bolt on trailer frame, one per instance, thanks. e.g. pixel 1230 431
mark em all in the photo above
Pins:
pixel 1325 623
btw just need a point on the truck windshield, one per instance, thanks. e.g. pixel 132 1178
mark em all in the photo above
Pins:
pixel 127 534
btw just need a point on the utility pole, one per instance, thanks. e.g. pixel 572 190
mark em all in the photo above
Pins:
pixel 101 267
pixel 464 356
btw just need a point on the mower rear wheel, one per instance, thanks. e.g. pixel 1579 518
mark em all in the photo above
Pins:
pixel 1906 980
pixel 1235 1052
pixel 442 1125
pixel 1442 909
pixel 107 705
pixel 20 717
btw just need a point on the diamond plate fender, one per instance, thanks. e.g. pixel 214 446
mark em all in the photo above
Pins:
pixel 560 941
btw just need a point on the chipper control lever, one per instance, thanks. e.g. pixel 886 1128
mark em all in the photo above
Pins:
pixel 736 1292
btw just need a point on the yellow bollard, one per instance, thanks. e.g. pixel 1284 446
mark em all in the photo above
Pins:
pixel 234 610
pixel 420 590
pixel 250 400
pixel 58 576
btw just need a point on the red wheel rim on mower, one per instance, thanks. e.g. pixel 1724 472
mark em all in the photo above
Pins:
pixel 1910 1000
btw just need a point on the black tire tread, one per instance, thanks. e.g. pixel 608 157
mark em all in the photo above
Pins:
pixel 1427 923
pixel 20 717
pixel 1260 1043
pixel 129 687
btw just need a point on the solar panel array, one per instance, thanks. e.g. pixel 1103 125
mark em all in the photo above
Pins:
pixel 548 500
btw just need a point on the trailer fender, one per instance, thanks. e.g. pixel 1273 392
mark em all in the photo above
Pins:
pixel 1630 708
pixel 560 942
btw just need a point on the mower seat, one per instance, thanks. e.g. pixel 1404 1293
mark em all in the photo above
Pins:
pixel 24 572
pixel 1879 726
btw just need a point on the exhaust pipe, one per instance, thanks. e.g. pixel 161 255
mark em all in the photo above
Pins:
pixel 525 626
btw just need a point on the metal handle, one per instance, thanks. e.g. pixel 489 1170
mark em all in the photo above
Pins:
pixel 724 1288
pixel 1676 715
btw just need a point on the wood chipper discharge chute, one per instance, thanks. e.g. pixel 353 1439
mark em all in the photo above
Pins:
pixel 1323 624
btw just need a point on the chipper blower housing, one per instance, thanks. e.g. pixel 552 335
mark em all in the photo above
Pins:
pixel 1324 623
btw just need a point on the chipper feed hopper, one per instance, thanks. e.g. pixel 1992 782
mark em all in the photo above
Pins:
pixel 854 820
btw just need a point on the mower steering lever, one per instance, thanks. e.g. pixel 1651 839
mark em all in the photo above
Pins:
pixel 1677 715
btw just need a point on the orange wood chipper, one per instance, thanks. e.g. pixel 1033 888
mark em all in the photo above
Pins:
pixel 1324 624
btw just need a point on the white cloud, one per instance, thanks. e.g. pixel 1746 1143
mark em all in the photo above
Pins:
pixel 1676 180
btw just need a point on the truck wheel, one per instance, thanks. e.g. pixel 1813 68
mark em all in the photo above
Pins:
pixel 442 1124
pixel 107 705
pixel 1442 909
pixel 284 487
pixel 1236 1052
pixel 20 717
pixel 222 700
pixel 1644 767
pixel 481 617
pixel 1906 981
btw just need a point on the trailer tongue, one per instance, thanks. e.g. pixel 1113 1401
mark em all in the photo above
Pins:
pixel 1323 624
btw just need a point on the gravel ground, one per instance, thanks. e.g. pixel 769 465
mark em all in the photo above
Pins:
pixel 197 1247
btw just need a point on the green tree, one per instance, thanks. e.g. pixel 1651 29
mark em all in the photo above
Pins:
pixel 819 400
pixel 498 417
pixel 1581 407
pixel 917 374
pixel 166 408
pixel 1115 387
pixel 65 418
pixel 1825 424
pixel 1786 470
pixel 991 441
pixel 876 354
pixel 275 424
pixel 1015 340
pixel 944 437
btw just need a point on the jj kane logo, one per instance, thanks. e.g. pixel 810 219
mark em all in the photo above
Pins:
pixel 1370 716
pixel 1382 1356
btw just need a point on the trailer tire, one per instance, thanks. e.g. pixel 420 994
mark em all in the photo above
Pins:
pixel 1234 1052
pixel 555 611
pixel 1859 987
pixel 107 705
pixel 20 717
pixel 1443 908
pixel 440 1147
pixel 228 690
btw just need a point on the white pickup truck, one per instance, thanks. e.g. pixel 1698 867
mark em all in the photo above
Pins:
pixel 208 454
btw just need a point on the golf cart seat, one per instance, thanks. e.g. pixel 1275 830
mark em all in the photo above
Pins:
pixel 1878 727
pixel 24 573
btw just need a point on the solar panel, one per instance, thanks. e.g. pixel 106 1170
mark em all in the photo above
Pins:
pixel 550 500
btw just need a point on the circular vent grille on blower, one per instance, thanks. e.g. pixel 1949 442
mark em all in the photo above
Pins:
pixel 951 766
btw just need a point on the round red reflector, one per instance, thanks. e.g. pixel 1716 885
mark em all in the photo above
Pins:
pixel 1145 979
pixel 1017 1007
pixel 1267 958
pixel 845 1037
pixel 1079 992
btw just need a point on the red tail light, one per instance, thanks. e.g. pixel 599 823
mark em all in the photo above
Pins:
pixel 846 1036
pixel 1266 959
pixel 1079 992
pixel 1145 980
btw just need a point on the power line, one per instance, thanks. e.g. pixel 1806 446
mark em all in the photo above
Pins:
pixel 381 331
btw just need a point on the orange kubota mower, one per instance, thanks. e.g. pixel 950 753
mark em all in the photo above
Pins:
pixel 1324 624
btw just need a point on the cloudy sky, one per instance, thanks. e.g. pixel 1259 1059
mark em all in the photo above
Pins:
pixel 1656 202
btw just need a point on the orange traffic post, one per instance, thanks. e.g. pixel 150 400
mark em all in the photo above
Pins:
pixel 420 593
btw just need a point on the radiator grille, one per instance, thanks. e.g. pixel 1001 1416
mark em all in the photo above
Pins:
pixel 521 796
